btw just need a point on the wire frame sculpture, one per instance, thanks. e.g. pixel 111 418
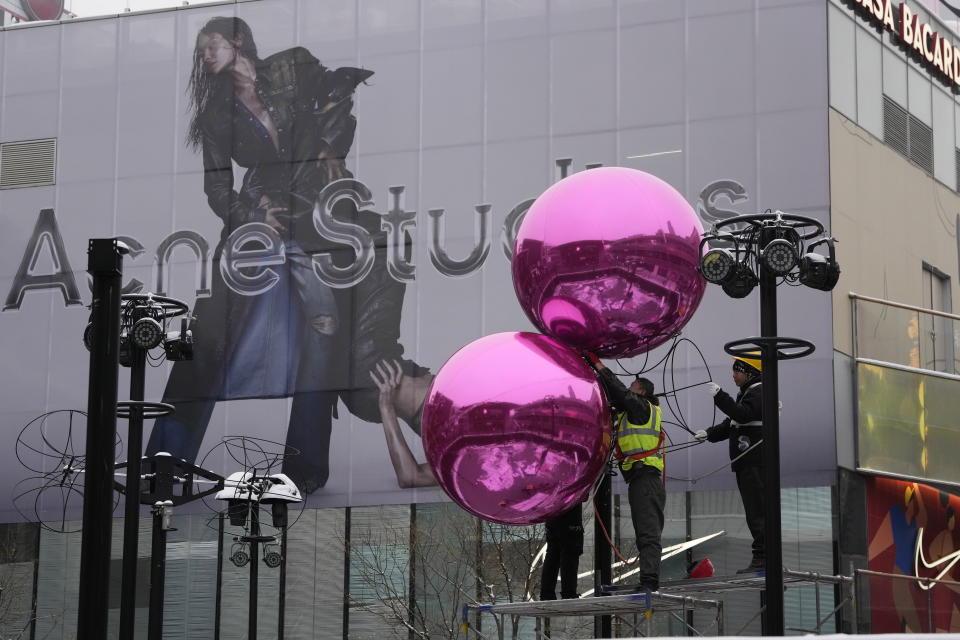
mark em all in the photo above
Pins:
pixel 51 448
pixel 258 483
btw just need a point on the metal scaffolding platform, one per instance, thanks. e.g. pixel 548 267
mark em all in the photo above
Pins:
pixel 748 581
pixel 643 605
pixel 676 599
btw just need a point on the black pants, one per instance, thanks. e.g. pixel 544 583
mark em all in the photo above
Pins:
pixel 647 499
pixel 564 547
pixel 750 483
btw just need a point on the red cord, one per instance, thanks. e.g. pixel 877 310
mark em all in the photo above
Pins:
pixel 607 536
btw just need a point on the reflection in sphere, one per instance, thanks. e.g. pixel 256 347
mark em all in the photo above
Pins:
pixel 606 260
pixel 516 428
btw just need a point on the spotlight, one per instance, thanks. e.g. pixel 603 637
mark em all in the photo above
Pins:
pixel 88 336
pixel 179 346
pixel 278 512
pixel 272 559
pixel 741 282
pixel 716 265
pixel 240 557
pixel 818 271
pixel 146 333
pixel 237 511
pixel 780 256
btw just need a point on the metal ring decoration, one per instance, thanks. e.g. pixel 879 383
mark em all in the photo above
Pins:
pixel 757 221
pixel 170 307
pixel 749 346
pixel 150 409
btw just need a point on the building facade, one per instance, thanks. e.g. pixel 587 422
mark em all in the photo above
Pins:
pixel 812 107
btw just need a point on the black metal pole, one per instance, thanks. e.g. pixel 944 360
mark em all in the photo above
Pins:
pixel 216 613
pixel 254 568
pixel 131 512
pixel 282 596
pixel 773 624
pixel 412 586
pixel 602 559
pixel 158 574
pixel 688 520
pixel 105 264
pixel 347 550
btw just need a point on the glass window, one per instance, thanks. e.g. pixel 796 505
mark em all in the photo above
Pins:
pixel 894 77
pixel 944 164
pixel 918 96
pixel 869 83
pixel 843 80
pixel 936 332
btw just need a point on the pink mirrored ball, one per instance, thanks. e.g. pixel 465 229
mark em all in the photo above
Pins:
pixel 516 428
pixel 606 260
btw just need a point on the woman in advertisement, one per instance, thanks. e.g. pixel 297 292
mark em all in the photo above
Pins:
pixel 279 330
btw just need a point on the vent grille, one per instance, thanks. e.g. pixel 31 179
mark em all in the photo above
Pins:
pixel 28 163
pixel 895 131
pixel 921 145
pixel 907 135
pixel 956 167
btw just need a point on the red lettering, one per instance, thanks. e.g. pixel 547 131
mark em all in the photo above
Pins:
pixel 925 33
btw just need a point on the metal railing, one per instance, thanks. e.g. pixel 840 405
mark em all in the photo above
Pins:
pixel 905 335
pixel 898 603
pixel 905 390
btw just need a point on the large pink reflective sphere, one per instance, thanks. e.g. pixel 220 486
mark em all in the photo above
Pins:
pixel 606 260
pixel 516 428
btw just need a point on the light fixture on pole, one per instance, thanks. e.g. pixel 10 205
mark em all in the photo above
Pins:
pixel 717 265
pixel 728 268
pixel 741 281
pixel 146 333
pixel 773 244
pixel 780 256
pixel 818 271
pixel 239 555
pixel 245 492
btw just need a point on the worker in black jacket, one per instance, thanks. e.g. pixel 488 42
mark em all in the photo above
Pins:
pixel 743 427
pixel 564 548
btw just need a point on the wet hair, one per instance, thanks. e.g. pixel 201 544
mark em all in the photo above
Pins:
pixel 204 88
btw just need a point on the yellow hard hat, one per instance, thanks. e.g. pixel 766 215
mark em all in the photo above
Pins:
pixel 753 362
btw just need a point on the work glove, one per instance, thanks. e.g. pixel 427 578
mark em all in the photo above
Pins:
pixel 700 435
pixel 712 388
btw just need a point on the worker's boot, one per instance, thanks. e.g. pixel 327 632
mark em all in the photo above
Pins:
pixel 757 564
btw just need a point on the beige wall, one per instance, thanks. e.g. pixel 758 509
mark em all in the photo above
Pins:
pixel 889 217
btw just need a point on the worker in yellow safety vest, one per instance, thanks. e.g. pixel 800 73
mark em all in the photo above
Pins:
pixel 639 451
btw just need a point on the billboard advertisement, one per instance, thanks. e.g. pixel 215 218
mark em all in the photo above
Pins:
pixel 333 188
pixel 911 532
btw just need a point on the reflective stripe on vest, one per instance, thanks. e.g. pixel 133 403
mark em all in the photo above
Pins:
pixel 752 423
pixel 640 442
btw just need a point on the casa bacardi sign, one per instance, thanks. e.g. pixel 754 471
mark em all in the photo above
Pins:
pixel 916 36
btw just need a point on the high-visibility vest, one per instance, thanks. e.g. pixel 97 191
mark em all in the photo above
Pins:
pixel 640 442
